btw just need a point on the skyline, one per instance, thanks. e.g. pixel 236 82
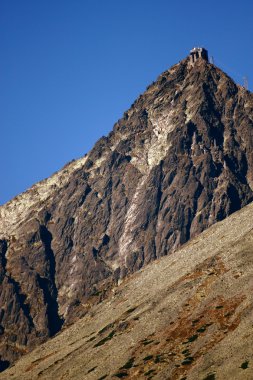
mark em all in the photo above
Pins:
pixel 70 70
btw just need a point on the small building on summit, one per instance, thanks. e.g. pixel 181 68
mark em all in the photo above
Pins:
pixel 198 52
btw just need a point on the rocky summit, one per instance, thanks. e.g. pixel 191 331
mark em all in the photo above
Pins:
pixel 179 160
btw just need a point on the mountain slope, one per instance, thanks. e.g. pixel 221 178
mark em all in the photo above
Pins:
pixel 187 315
pixel 178 161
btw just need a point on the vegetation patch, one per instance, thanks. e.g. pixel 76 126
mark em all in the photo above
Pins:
pixel 150 372
pixel 106 339
pixel 105 328
pixel 149 357
pixel 201 329
pixel 96 293
pixel 188 360
pixel 204 327
pixel 145 342
pixel 210 376
pixel 245 365
pixel 120 375
pixel 159 359
pixel 129 364
pixel 131 310
pixel 192 338
pixel 92 369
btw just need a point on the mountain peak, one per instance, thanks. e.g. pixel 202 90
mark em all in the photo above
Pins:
pixel 179 160
pixel 198 53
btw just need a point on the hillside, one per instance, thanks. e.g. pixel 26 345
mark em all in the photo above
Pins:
pixel 185 316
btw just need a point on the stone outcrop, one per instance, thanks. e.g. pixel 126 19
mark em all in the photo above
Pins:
pixel 179 160
pixel 184 316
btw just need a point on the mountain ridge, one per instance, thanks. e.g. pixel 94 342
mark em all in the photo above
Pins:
pixel 178 161
pixel 194 321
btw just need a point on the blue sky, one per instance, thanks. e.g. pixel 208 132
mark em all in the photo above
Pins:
pixel 70 68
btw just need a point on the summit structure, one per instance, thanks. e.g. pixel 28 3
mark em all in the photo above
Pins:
pixel 198 52
pixel 178 161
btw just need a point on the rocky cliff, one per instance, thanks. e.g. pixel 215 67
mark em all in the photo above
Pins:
pixel 184 316
pixel 179 160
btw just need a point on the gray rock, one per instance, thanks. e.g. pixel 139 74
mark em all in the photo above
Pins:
pixel 178 161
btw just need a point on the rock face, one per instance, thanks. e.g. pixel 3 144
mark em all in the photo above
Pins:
pixel 179 160
pixel 194 322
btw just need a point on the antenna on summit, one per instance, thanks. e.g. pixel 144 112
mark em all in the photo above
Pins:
pixel 245 83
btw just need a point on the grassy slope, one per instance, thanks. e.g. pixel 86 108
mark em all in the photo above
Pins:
pixel 188 315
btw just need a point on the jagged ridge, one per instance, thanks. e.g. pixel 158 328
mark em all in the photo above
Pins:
pixel 177 162
pixel 194 322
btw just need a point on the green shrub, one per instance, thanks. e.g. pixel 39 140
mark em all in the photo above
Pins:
pixel 210 376
pixel 105 328
pixel 147 341
pixel 245 365
pixel 150 372
pixel 187 360
pixel 148 357
pixel 120 375
pixel 92 369
pixel 201 329
pixel 129 364
pixel 131 310
pixel 192 338
pixel 103 341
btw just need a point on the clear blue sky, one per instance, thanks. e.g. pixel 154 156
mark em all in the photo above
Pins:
pixel 70 68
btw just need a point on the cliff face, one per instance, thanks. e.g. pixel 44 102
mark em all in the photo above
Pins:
pixel 185 316
pixel 178 161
